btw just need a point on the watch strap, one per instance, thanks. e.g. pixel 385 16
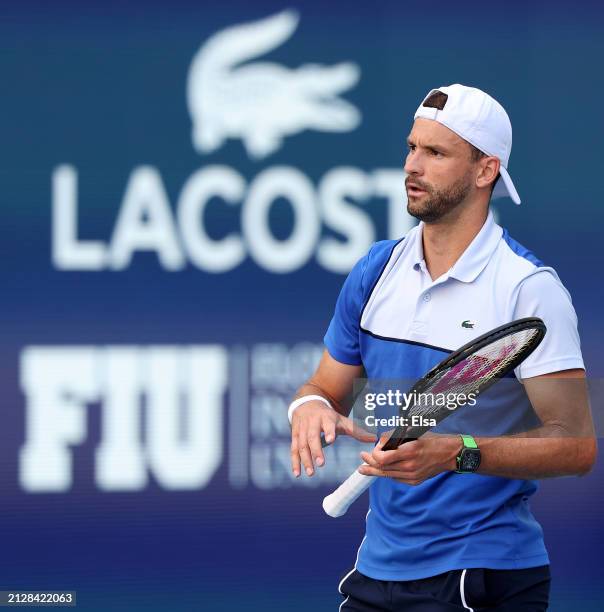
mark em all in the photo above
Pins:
pixel 468 441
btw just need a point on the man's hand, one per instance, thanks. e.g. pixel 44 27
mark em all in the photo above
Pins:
pixel 308 422
pixel 414 462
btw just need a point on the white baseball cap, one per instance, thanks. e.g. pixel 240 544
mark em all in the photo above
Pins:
pixel 481 120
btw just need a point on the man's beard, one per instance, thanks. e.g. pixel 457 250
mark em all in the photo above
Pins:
pixel 437 203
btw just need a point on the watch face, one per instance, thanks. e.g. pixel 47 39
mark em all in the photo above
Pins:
pixel 470 460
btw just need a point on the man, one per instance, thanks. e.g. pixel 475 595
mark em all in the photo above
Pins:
pixel 442 535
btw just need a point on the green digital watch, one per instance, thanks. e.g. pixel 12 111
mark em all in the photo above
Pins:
pixel 468 459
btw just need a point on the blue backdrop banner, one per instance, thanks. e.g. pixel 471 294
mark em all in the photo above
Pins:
pixel 184 188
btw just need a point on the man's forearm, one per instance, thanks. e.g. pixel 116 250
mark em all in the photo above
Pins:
pixel 334 381
pixel 543 455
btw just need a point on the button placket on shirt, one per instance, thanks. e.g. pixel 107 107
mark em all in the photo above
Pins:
pixel 419 325
pixel 423 307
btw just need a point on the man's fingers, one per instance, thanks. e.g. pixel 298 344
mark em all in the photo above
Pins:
pixel 314 443
pixel 329 430
pixel 384 438
pixel 368 470
pixel 307 441
pixel 408 477
pixel 306 458
pixel 362 435
pixel 304 450
pixel 350 428
pixel 404 452
pixel 295 455
pixel 367 458
pixel 406 466
pixel 295 458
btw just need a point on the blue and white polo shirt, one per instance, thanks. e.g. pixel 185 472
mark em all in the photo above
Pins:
pixel 397 322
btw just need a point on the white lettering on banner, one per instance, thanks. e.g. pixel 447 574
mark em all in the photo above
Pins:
pixel 120 457
pixel 69 253
pixel 145 221
pixel 268 412
pixel 58 383
pixel 342 217
pixel 185 452
pixel 281 255
pixel 230 96
pixel 281 368
pixel 160 412
pixel 276 370
pixel 210 255
pixel 183 388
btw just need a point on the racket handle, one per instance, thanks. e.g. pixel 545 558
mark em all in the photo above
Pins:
pixel 352 488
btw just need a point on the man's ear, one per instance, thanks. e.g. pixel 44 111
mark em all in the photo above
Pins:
pixel 489 171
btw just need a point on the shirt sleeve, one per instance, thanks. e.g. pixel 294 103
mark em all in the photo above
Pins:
pixel 543 295
pixel 342 337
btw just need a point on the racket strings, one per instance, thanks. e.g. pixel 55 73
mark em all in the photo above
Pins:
pixel 471 374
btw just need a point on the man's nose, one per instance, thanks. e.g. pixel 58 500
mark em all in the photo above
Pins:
pixel 413 164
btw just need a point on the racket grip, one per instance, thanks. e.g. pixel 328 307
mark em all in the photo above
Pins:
pixel 351 489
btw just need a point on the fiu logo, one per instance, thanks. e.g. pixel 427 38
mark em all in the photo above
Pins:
pixel 172 393
pixel 263 102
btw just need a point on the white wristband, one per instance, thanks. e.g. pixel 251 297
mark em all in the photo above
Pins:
pixel 303 400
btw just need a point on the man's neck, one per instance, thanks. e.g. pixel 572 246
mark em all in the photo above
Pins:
pixel 445 240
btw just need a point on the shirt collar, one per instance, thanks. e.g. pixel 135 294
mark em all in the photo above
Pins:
pixel 418 247
pixel 476 256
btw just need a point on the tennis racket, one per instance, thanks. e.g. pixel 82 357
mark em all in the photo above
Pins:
pixel 470 370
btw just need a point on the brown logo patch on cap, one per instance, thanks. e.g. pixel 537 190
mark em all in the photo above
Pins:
pixel 436 99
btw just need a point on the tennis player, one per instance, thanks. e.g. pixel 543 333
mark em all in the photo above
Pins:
pixel 449 525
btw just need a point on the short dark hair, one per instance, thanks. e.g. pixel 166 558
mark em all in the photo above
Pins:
pixel 476 155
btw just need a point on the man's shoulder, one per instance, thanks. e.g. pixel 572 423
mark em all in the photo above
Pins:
pixel 514 263
pixel 370 267
pixel 519 258
pixel 520 270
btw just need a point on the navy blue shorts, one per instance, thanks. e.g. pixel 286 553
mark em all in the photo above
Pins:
pixel 523 590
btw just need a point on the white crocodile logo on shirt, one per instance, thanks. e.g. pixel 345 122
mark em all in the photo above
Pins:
pixel 263 102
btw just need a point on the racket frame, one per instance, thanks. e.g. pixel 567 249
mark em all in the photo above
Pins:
pixel 398 436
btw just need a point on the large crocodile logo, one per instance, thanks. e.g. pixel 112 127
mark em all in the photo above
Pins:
pixel 263 102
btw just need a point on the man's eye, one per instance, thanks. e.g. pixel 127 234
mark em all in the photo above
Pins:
pixel 435 153
pixel 411 147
